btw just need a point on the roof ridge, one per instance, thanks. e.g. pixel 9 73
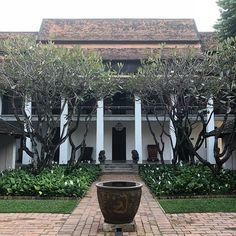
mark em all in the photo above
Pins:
pixel 123 18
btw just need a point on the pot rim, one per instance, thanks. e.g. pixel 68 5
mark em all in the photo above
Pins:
pixel 137 184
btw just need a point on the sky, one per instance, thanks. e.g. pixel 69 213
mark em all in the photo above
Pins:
pixel 27 15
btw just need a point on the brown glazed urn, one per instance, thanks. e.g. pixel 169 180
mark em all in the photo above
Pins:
pixel 119 200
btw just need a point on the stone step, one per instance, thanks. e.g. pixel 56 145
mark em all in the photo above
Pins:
pixel 109 171
pixel 119 168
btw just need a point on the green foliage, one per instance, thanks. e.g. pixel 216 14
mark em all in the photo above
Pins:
pixel 175 206
pixel 50 77
pixel 226 25
pixel 179 88
pixel 54 181
pixel 37 206
pixel 169 180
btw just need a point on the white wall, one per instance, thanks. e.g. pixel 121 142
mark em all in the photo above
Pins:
pixel 8 144
pixel 108 125
pixel 7 152
pixel 203 149
pixel 130 143
pixel 148 139
pixel 90 139
pixel 129 125
pixel 231 163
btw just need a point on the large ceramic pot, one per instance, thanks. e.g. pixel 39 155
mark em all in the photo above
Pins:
pixel 119 200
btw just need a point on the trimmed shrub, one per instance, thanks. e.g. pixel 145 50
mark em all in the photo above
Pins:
pixel 169 180
pixel 56 181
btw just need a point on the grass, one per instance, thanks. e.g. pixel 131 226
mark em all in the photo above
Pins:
pixel 172 206
pixel 37 206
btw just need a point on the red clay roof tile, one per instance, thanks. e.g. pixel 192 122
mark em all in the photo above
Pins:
pixel 118 30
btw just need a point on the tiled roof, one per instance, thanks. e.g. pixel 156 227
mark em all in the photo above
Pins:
pixel 208 40
pixel 9 129
pixel 120 39
pixel 118 30
pixel 133 53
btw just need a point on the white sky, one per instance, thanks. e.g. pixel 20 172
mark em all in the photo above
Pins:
pixel 27 15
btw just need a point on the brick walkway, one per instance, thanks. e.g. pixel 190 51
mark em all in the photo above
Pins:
pixel 31 224
pixel 196 224
pixel 87 219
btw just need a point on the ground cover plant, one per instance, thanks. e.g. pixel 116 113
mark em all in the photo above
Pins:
pixel 175 206
pixel 37 206
pixel 187 180
pixel 57 181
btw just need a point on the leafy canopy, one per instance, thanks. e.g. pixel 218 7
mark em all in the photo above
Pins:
pixel 226 25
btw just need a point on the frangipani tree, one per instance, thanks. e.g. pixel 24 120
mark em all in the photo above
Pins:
pixel 88 81
pixel 169 86
pixel 222 64
pixel 178 89
pixel 49 77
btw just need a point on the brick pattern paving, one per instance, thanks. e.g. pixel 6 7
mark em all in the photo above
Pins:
pixel 87 220
pixel 196 224
pixel 31 224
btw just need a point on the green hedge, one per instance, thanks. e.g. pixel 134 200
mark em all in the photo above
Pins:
pixel 56 182
pixel 184 180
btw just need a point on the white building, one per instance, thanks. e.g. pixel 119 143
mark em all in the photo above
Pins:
pixel 120 126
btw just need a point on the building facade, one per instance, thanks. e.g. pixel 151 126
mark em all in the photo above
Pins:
pixel 119 126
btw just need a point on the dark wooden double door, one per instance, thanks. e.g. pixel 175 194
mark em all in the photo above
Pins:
pixel 118 144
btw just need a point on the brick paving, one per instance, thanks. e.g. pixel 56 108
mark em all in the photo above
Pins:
pixel 196 224
pixel 87 220
pixel 31 224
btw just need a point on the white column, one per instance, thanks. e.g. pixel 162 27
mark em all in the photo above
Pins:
pixel 99 129
pixel 172 129
pixel 138 128
pixel 210 126
pixel 26 159
pixel 13 164
pixel 64 152
pixel 173 139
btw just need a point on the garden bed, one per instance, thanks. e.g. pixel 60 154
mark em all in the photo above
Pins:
pixel 50 183
pixel 187 181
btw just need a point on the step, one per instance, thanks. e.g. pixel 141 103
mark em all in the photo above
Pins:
pixel 119 168
pixel 119 171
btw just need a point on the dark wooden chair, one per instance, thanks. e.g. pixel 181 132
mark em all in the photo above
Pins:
pixel 86 154
pixel 152 153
